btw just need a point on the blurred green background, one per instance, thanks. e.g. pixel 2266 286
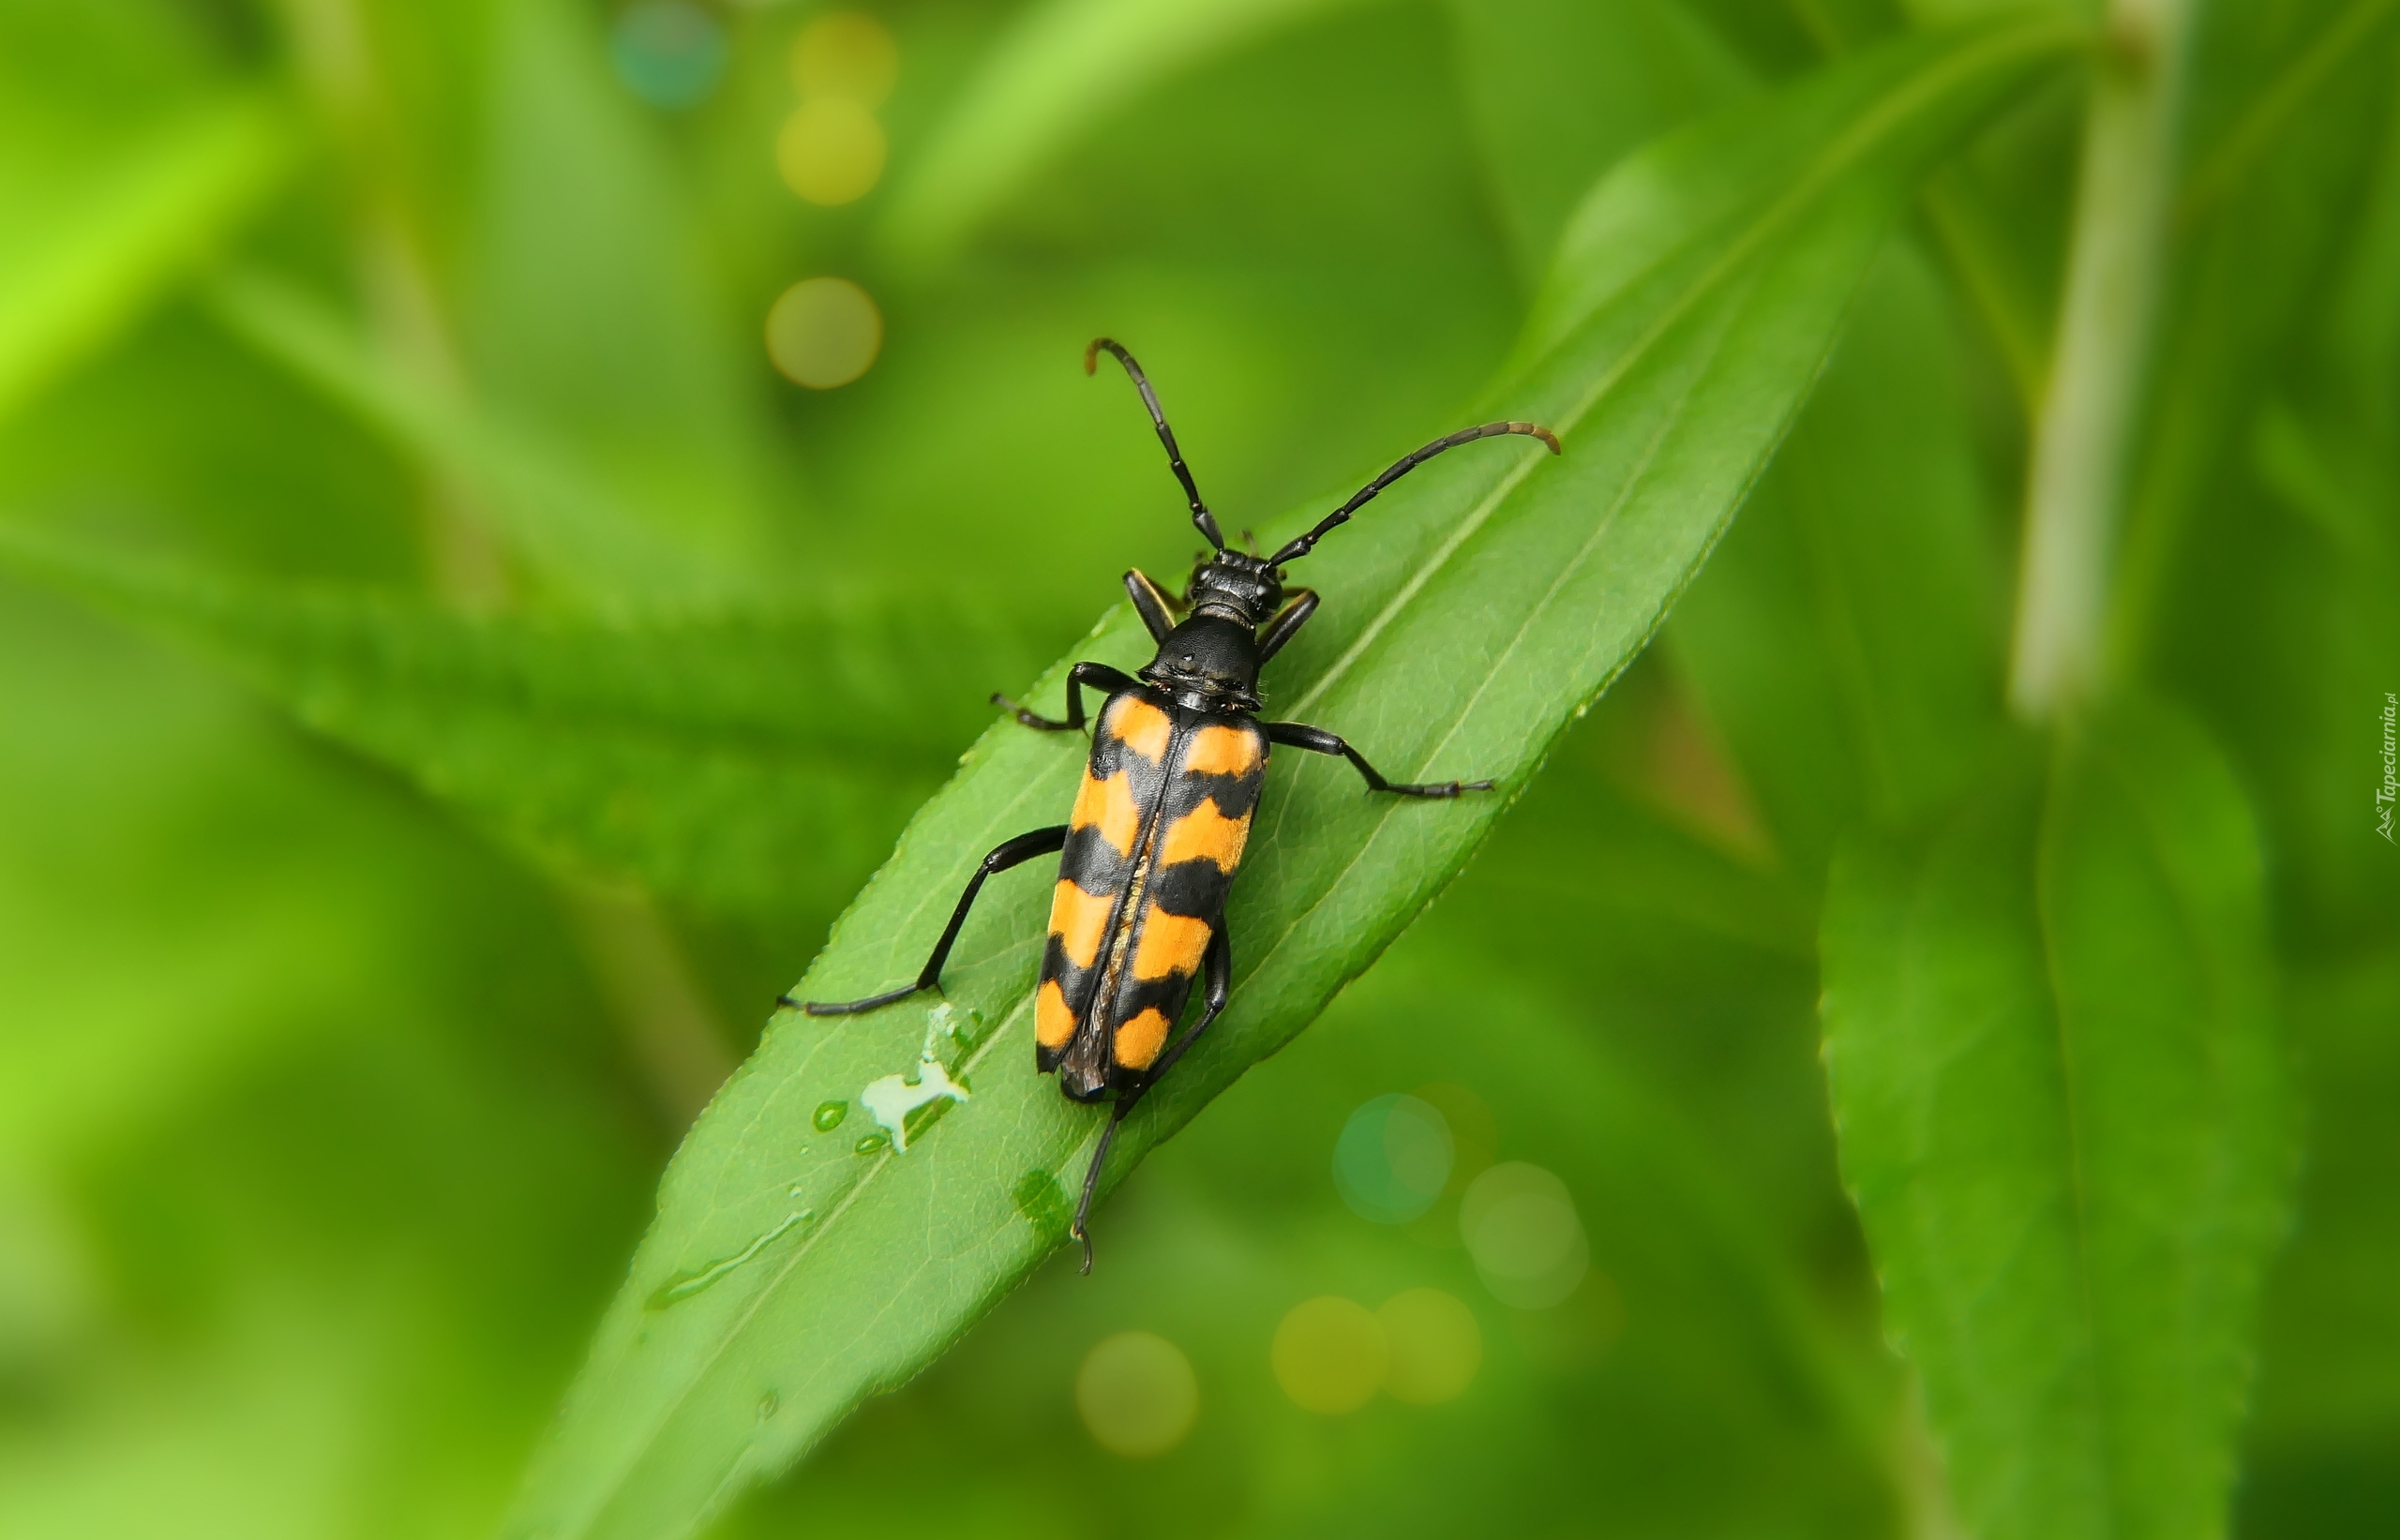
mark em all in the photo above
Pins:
pixel 342 1043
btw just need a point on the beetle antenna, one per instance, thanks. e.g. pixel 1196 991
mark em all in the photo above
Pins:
pixel 1205 520
pixel 1340 516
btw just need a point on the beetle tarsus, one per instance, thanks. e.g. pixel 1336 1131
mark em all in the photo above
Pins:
pixel 1092 1180
pixel 855 1008
pixel 1031 719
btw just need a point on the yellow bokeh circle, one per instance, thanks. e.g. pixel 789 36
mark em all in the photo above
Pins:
pixel 844 54
pixel 830 150
pixel 824 332
pixel 1433 1345
pixel 1329 1354
pixel 1137 1394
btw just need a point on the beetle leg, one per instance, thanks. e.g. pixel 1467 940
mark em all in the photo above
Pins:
pixel 1099 676
pixel 1155 609
pixel 1219 962
pixel 1042 842
pixel 1299 734
pixel 1287 623
pixel 1092 1179
pixel 1218 978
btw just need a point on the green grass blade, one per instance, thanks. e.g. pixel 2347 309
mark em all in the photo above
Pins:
pixel 2051 1035
pixel 748 768
pixel 1473 612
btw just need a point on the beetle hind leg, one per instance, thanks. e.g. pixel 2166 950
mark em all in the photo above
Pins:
pixel 1092 1180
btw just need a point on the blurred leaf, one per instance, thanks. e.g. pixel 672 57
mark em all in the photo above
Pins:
pixel 1560 89
pixel 1847 638
pixel 2264 547
pixel 1488 604
pixel 2328 1425
pixel 571 525
pixel 2261 231
pixel 588 310
pixel 750 766
pixel 303 1112
pixel 2050 1031
pixel 1064 66
pixel 122 163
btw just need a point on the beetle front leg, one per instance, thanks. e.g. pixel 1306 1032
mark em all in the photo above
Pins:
pixel 1299 734
pixel 1099 676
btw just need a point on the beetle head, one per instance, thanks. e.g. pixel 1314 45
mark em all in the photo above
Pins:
pixel 1237 585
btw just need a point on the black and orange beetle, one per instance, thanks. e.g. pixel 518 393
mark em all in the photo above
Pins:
pixel 1157 829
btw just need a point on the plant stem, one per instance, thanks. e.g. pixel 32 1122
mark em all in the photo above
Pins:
pixel 2083 435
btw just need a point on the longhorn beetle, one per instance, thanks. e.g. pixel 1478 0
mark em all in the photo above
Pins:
pixel 1157 829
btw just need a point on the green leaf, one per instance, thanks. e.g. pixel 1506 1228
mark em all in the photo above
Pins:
pixel 2050 1031
pixel 752 768
pixel 1064 66
pixel 1473 613
pixel 1559 90
pixel 1847 638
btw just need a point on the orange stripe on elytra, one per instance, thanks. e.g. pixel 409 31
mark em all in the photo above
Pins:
pixel 1170 945
pixel 1053 1021
pixel 1140 726
pixel 1206 834
pixel 1138 1041
pixel 1110 804
pixel 1221 751
pixel 1079 920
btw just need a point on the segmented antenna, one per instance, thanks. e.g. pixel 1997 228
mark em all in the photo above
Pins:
pixel 1203 519
pixel 1340 516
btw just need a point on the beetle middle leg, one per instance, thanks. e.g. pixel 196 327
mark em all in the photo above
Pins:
pixel 1024 847
pixel 1218 982
pixel 1299 734
pixel 1099 676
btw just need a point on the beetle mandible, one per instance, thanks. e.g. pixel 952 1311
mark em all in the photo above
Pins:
pixel 1150 851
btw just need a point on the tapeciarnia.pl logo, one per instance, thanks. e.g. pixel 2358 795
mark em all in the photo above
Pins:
pixel 2386 793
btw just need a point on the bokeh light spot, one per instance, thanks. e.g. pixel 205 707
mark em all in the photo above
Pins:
pixel 831 151
pixel 1520 1226
pixel 669 53
pixel 1329 1354
pixel 1475 1138
pixel 1137 1394
pixel 847 55
pixel 1433 1343
pixel 824 332
pixel 1392 1159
